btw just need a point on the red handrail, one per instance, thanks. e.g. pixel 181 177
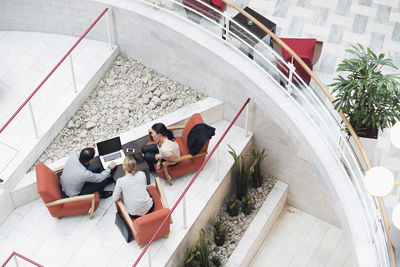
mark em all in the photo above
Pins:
pixel 21 256
pixel 191 182
pixel 54 69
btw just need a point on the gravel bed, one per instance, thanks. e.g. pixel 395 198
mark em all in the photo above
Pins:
pixel 129 95
pixel 237 226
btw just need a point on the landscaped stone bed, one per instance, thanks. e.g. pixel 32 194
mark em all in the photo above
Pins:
pixel 129 95
pixel 236 226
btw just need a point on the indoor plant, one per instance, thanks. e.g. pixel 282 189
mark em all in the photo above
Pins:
pixel 367 97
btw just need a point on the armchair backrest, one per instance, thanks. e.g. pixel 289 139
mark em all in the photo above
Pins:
pixel 194 119
pixel 48 184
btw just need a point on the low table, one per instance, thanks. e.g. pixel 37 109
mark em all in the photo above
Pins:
pixel 254 29
pixel 119 171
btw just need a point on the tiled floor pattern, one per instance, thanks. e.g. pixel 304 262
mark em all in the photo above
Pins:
pixel 77 241
pixel 299 239
pixel 25 60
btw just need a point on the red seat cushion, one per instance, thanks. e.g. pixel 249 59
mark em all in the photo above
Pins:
pixel 304 48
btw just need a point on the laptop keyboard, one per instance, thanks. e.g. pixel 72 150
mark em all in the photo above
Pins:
pixel 112 156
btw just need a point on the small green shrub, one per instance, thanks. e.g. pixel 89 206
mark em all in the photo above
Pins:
pixel 189 260
pixel 202 252
pixel 232 207
pixel 256 157
pixel 240 174
pixel 247 205
pixel 199 254
pixel 216 261
pixel 219 232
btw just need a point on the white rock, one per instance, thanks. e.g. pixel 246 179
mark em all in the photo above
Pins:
pixel 90 125
pixel 119 104
pixel 157 92
pixel 156 101
pixel 71 124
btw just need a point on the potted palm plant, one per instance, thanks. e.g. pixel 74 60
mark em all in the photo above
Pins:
pixel 369 98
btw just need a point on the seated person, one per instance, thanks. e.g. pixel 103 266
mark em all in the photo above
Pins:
pixel 132 186
pixel 165 148
pixel 81 177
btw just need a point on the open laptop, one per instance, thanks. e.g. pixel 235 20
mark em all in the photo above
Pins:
pixel 110 150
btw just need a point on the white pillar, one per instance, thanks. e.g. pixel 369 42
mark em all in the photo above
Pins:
pixel 184 212
pixel 247 119
pixel 148 253
pixel 109 28
pixel 73 73
pixel 291 69
pixel 33 120
pixel 217 167
pixel 16 260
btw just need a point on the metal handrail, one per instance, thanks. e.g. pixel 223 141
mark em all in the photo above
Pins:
pixel 14 253
pixel 52 71
pixel 191 182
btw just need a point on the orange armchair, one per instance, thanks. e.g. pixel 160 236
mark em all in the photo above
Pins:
pixel 144 227
pixel 187 162
pixel 48 186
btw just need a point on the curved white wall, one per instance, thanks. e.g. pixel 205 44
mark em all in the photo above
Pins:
pixel 187 54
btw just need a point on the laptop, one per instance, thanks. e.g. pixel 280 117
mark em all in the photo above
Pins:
pixel 110 150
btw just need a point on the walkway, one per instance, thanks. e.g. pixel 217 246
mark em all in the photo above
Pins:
pixel 25 60
pixel 299 239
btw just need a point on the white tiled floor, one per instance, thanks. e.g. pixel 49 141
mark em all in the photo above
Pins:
pixel 78 241
pixel 25 60
pixel 299 239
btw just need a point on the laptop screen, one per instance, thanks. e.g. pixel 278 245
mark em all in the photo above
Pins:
pixel 109 146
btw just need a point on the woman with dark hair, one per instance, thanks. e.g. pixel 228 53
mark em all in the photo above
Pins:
pixel 165 148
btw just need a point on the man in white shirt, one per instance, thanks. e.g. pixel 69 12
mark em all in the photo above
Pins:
pixel 80 177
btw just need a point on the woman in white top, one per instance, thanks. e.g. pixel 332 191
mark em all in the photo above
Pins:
pixel 132 186
pixel 165 148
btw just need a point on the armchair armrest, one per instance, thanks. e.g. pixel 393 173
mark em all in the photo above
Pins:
pixel 120 206
pixel 58 169
pixel 181 158
pixel 160 190
pixel 75 199
pixel 176 127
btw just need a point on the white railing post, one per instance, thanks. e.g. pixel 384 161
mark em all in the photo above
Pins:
pixel 148 253
pixel 184 212
pixel 291 69
pixel 217 167
pixel 227 22
pixel 73 73
pixel 247 120
pixel 33 120
pixel 109 28
pixel 16 260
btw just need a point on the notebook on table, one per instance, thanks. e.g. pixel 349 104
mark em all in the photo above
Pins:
pixel 110 150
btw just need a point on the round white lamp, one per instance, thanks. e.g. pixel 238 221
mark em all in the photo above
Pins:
pixel 395 135
pixel 379 181
pixel 396 216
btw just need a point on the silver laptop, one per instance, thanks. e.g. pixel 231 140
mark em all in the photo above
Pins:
pixel 110 150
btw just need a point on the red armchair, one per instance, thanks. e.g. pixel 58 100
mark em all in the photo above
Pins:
pixel 187 162
pixel 309 50
pixel 48 185
pixel 144 227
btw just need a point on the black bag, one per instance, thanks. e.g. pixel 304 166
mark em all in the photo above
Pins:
pixel 123 227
